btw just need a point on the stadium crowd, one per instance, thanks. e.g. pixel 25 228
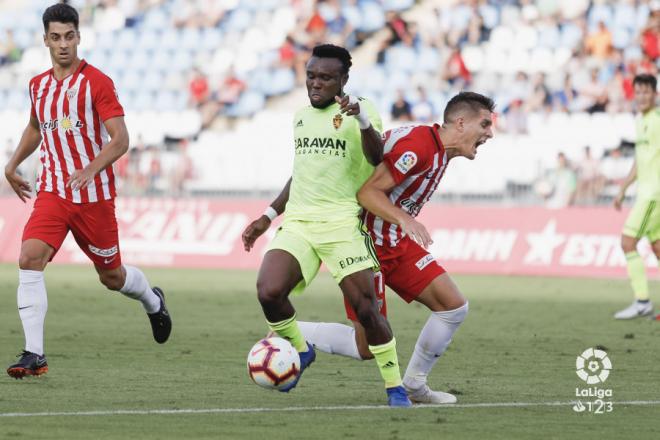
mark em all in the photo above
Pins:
pixel 222 60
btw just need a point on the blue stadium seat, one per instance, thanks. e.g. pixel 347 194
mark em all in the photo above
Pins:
pixel 126 39
pixel 238 20
pixel 281 81
pixel 157 19
pixel 373 17
pixel 248 104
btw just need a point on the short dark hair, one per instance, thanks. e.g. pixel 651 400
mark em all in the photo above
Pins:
pixel 471 101
pixel 646 78
pixel 332 51
pixel 61 13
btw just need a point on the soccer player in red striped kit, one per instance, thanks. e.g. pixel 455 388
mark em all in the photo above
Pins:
pixel 74 110
pixel 415 159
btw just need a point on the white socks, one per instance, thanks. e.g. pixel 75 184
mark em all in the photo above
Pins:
pixel 330 337
pixel 32 306
pixel 137 287
pixel 431 343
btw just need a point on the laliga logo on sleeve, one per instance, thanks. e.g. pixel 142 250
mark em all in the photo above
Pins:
pixel 406 162
pixel 593 366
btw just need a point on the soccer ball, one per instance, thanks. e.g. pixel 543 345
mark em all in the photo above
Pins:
pixel 273 363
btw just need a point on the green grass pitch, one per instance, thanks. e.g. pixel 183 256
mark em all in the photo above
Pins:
pixel 518 345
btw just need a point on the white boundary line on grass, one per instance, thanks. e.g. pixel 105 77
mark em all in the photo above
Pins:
pixel 131 412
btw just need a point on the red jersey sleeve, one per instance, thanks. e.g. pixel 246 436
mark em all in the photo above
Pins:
pixel 104 98
pixel 411 154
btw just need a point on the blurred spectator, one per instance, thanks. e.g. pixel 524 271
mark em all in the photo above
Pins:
pixel 599 43
pixel 540 98
pixel 615 167
pixel 558 186
pixel 401 110
pixel 564 97
pixel 231 89
pixel 422 110
pixel 455 71
pixel 650 37
pixel 589 179
pixel 398 28
pixel 198 88
pixel 515 118
pixel 593 95
pixel 182 171
pixel 9 51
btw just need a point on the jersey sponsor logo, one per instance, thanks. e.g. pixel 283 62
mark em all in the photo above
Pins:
pixel 109 260
pixel 337 120
pixel 349 261
pixel 65 123
pixel 103 252
pixel 406 162
pixel 424 261
pixel 411 206
pixel 323 146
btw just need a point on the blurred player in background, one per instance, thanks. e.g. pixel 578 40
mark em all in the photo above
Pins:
pixel 336 148
pixel 415 160
pixel 74 109
pixel 644 217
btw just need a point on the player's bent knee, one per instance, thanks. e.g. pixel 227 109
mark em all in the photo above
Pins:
pixel 33 259
pixel 269 293
pixel 628 244
pixel 112 281
pixel 455 316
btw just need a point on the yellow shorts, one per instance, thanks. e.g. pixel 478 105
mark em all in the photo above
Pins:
pixel 644 220
pixel 345 247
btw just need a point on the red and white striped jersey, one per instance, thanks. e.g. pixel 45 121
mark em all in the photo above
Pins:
pixel 416 159
pixel 71 113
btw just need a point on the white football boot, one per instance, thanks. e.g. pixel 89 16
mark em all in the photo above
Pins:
pixel 428 396
pixel 635 310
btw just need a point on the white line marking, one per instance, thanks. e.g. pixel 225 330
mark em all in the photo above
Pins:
pixel 131 412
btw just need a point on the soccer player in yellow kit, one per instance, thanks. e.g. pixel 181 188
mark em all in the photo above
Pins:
pixel 644 218
pixel 336 144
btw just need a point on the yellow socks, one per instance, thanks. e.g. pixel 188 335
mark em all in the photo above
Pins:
pixel 289 330
pixel 388 363
pixel 637 275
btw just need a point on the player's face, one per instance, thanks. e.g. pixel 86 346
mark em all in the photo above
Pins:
pixel 325 80
pixel 62 40
pixel 477 129
pixel 644 97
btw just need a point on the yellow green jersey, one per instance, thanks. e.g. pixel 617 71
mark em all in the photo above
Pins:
pixel 647 155
pixel 329 166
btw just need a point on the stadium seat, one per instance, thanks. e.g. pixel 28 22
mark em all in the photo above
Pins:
pixel 373 17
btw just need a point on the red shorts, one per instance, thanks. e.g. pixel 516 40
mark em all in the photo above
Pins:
pixel 93 225
pixel 407 269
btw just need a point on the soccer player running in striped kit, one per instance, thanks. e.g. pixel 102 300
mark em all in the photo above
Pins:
pixel 336 146
pixel 74 109
pixel 414 162
pixel 644 217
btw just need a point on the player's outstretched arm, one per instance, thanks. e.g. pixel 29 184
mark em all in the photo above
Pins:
pixel 630 178
pixel 372 144
pixel 110 152
pixel 29 142
pixel 373 197
pixel 256 229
